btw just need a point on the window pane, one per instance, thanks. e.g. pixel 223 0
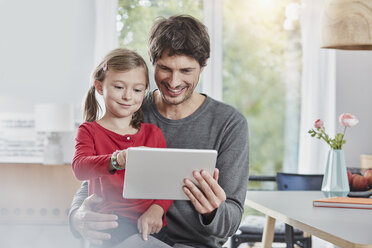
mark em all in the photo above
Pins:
pixel 136 17
pixel 261 77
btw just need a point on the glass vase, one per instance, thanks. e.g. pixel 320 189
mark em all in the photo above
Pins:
pixel 335 181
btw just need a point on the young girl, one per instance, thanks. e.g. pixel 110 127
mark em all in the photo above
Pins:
pixel 122 79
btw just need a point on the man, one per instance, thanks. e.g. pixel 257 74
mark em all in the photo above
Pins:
pixel 179 48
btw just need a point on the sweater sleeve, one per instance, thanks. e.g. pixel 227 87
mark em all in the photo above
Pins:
pixel 77 201
pixel 86 164
pixel 233 163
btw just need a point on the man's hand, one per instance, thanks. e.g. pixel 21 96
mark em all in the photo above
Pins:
pixel 150 221
pixel 208 197
pixel 90 224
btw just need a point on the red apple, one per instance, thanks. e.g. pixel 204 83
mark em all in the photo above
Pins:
pixel 352 176
pixel 349 176
pixel 368 175
pixel 359 182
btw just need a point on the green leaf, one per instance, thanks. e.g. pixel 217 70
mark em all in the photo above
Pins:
pixel 339 136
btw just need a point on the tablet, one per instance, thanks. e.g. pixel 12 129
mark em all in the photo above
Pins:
pixel 158 173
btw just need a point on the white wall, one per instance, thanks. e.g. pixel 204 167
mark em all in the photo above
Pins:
pixel 46 52
pixel 46 55
pixel 354 95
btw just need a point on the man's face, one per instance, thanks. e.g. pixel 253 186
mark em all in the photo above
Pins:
pixel 176 77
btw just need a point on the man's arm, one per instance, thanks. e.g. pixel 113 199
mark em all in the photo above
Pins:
pixel 87 224
pixel 220 201
pixel 77 201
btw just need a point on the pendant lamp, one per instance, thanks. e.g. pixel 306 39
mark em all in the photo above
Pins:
pixel 347 25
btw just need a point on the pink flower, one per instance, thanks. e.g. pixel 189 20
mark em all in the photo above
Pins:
pixel 319 124
pixel 348 120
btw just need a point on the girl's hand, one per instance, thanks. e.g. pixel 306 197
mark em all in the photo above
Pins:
pixel 122 158
pixel 151 221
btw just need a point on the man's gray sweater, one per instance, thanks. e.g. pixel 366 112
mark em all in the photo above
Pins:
pixel 215 125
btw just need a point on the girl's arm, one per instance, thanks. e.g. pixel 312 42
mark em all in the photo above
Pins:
pixel 86 164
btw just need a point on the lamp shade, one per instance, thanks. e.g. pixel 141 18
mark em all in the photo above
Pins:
pixel 347 25
pixel 52 117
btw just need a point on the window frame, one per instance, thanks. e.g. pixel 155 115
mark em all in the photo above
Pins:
pixel 212 73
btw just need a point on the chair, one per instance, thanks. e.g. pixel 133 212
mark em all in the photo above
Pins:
pixel 292 181
pixel 251 229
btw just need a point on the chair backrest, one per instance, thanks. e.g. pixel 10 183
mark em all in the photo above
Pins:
pixel 292 181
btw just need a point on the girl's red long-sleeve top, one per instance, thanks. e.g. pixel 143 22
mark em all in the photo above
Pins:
pixel 93 150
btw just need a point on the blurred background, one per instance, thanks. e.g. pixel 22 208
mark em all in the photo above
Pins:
pixel 266 61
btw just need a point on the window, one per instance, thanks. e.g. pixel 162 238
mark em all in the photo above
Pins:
pixel 261 77
pixel 261 67
pixel 136 17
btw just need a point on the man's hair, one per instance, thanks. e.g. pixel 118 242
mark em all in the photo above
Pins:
pixel 179 35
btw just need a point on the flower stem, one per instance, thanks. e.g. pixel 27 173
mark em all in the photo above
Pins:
pixel 343 135
pixel 342 138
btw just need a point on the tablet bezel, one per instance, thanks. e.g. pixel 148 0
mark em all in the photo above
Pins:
pixel 158 173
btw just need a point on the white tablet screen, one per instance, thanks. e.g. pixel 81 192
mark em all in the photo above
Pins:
pixel 158 173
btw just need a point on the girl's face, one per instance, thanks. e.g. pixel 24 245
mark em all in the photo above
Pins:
pixel 123 92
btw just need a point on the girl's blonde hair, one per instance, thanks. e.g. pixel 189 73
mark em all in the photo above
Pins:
pixel 119 60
